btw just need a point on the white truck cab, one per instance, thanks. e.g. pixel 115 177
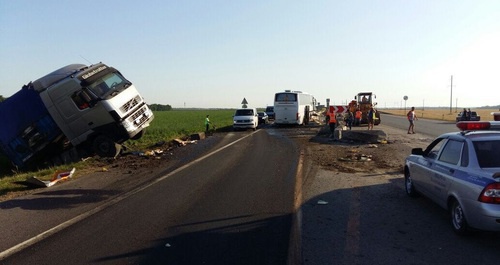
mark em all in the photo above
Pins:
pixel 245 118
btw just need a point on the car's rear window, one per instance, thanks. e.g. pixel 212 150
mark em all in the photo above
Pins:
pixel 488 153
pixel 244 112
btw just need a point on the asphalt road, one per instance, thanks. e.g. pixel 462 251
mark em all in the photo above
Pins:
pixel 432 128
pixel 234 206
pixel 240 205
pixel 367 218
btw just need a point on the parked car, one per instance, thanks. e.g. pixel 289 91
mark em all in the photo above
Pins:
pixel 462 116
pixel 460 171
pixel 270 112
pixel 263 118
pixel 245 118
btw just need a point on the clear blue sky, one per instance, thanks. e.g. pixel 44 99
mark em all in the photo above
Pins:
pixel 212 54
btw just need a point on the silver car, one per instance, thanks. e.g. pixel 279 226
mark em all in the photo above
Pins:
pixel 460 171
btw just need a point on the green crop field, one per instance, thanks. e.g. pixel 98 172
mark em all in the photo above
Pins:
pixel 168 125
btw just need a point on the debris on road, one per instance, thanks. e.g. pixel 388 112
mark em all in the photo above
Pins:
pixel 180 142
pixel 356 158
pixel 58 176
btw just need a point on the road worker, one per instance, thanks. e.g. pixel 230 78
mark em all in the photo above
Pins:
pixel 332 121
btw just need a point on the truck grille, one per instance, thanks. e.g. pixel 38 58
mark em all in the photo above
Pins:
pixel 131 104
pixel 138 117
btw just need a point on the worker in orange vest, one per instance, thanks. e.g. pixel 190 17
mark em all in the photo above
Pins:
pixel 358 116
pixel 332 121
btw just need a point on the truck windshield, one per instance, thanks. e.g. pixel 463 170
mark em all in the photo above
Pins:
pixel 108 84
pixel 364 98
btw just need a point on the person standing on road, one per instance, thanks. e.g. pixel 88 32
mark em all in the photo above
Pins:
pixel 350 119
pixel 464 115
pixel 332 121
pixel 411 118
pixel 207 124
pixel 371 117
pixel 358 117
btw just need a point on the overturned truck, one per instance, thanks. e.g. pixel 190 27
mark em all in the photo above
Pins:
pixel 73 110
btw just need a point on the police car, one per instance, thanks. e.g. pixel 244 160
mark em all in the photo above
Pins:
pixel 460 171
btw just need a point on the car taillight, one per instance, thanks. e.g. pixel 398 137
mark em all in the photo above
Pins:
pixel 491 194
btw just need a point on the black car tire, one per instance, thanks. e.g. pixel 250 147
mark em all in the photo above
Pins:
pixel 457 218
pixel 409 187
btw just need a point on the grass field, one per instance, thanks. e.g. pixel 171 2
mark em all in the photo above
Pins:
pixel 441 113
pixel 168 125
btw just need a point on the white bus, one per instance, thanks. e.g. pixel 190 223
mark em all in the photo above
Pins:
pixel 293 107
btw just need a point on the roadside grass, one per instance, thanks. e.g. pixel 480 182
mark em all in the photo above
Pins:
pixel 166 126
pixel 440 113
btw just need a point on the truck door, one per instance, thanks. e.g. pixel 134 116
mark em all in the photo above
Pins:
pixel 68 110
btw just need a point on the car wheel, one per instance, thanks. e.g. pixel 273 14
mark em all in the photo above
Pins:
pixel 409 187
pixel 458 221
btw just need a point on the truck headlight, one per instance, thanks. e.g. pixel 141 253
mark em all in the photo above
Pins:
pixel 126 124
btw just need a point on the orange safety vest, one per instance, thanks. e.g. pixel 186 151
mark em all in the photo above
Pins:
pixel 332 117
pixel 358 114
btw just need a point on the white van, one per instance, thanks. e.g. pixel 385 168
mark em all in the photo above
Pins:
pixel 245 119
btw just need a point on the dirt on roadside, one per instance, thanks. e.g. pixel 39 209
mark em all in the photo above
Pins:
pixel 347 156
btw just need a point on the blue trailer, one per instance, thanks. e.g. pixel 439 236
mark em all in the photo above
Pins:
pixel 27 126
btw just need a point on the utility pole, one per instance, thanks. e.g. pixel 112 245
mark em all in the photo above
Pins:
pixel 451 94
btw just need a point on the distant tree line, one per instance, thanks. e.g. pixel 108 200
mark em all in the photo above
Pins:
pixel 160 107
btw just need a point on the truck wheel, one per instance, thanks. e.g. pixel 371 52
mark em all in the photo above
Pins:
pixel 105 147
pixel 377 115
